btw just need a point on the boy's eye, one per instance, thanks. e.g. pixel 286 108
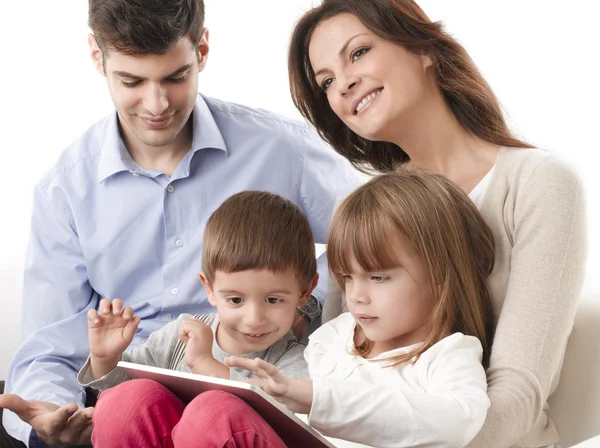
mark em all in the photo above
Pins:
pixel 235 300
pixel 273 300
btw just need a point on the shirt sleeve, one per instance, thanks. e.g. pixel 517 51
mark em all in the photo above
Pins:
pixel 56 298
pixel 448 412
pixel 326 178
pixel 544 284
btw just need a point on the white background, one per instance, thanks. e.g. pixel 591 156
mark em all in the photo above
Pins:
pixel 540 56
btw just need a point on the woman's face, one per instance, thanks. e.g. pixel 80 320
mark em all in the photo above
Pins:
pixel 370 83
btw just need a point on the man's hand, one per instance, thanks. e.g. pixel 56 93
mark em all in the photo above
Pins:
pixel 110 331
pixel 54 425
pixel 198 356
pixel 295 394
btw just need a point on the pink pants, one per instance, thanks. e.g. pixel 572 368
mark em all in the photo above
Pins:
pixel 143 413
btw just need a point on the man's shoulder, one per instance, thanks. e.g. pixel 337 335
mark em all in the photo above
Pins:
pixel 245 115
pixel 79 158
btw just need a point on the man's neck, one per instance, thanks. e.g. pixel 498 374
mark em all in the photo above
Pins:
pixel 163 159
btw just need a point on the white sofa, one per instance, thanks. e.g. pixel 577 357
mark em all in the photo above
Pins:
pixel 575 406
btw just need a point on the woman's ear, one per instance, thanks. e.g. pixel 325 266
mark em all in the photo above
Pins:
pixel 208 287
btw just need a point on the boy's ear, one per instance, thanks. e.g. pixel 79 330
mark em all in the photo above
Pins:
pixel 308 291
pixel 209 291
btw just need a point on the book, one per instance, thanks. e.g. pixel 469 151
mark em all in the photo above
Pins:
pixel 293 431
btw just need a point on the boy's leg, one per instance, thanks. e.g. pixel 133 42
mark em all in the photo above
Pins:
pixel 136 413
pixel 217 419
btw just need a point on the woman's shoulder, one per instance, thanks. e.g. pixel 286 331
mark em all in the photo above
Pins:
pixel 521 166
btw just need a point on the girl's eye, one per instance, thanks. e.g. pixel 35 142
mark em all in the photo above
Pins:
pixel 359 53
pixel 379 278
pixel 235 300
pixel 346 278
pixel 273 300
pixel 326 83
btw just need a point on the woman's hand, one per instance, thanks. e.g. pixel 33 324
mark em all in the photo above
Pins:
pixel 110 331
pixel 295 394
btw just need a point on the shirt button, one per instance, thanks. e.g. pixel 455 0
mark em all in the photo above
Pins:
pixel 175 291
pixel 169 316
pixel 170 188
pixel 179 243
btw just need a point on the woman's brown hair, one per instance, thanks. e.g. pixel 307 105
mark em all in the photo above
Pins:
pixel 446 230
pixel 403 22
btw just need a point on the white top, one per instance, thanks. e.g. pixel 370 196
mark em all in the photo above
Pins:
pixel 439 401
pixel 477 194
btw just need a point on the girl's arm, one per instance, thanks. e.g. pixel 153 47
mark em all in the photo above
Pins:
pixel 547 265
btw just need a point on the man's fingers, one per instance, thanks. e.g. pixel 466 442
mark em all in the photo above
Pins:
pixel 78 423
pixel 19 406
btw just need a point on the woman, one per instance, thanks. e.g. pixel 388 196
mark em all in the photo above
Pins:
pixel 386 87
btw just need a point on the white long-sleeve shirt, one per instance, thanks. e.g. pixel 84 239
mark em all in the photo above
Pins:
pixel 439 401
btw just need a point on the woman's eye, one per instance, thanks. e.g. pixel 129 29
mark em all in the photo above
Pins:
pixel 326 83
pixel 273 300
pixel 235 300
pixel 359 53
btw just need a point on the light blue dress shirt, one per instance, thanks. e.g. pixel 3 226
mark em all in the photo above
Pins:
pixel 102 226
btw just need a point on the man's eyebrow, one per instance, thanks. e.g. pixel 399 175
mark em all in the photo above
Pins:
pixel 124 74
pixel 341 52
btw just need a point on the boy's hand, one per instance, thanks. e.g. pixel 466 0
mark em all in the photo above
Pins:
pixel 54 425
pixel 110 331
pixel 198 356
pixel 295 394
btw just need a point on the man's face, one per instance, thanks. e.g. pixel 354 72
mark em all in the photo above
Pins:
pixel 154 94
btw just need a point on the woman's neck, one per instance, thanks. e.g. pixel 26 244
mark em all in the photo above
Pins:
pixel 435 140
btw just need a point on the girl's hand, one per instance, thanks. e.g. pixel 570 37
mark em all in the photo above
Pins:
pixel 111 329
pixel 295 394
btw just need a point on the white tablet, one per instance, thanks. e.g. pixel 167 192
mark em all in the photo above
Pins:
pixel 293 431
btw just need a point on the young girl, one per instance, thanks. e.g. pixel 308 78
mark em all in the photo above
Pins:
pixel 403 367
pixel 389 88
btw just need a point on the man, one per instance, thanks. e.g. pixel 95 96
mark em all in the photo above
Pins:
pixel 123 211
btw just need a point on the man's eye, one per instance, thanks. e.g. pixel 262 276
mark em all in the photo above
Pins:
pixel 177 80
pixel 130 85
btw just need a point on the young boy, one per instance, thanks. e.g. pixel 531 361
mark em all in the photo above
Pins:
pixel 258 266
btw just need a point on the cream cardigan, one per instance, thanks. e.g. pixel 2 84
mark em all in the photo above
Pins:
pixel 534 205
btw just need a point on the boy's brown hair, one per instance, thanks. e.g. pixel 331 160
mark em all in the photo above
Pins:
pixel 259 230
pixel 446 230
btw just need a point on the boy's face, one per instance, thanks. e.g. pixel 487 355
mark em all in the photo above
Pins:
pixel 255 307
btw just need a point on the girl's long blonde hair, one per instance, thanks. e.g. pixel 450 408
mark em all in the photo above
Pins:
pixel 446 230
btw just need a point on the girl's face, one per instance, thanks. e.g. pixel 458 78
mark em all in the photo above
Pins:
pixel 392 307
pixel 370 83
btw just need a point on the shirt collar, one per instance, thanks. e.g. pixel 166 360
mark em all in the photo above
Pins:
pixel 114 157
